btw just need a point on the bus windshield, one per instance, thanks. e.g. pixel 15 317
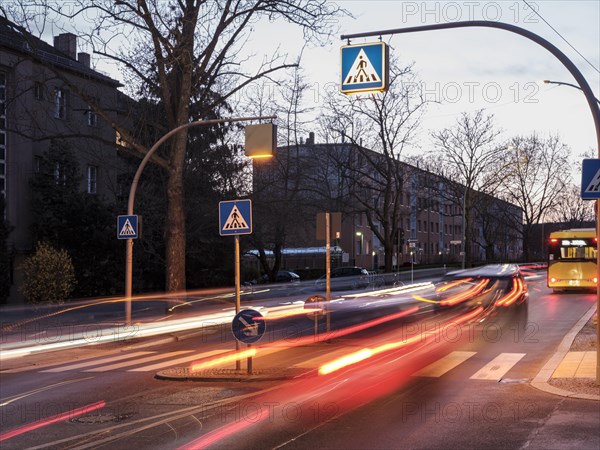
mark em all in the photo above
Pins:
pixel 581 249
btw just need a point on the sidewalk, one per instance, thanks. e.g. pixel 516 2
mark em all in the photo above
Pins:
pixel 571 372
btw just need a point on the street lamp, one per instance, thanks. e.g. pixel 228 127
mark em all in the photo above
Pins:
pixel 562 83
pixel 132 191
pixel 569 65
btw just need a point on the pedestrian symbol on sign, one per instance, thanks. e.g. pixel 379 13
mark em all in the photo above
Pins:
pixel 363 71
pixel 235 220
pixel 594 184
pixel 127 229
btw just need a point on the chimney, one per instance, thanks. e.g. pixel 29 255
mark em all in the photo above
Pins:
pixel 66 43
pixel 311 139
pixel 84 58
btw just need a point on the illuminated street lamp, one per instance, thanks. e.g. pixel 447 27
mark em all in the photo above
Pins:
pixel 138 173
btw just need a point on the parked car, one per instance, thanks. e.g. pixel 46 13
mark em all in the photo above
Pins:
pixel 346 278
pixel 287 275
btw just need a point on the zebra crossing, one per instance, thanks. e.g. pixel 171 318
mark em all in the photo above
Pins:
pixel 148 361
pixel 128 362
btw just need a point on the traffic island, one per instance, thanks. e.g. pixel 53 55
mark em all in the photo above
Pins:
pixel 220 374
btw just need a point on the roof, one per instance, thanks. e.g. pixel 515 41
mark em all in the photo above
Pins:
pixel 17 38
pixel 490 270
pixel 574 233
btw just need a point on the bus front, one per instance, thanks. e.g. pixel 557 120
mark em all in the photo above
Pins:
pixel 572 261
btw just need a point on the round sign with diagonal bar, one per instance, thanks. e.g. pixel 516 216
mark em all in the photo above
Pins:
pixel 248 326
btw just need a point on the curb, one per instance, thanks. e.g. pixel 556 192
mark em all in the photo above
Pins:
pixel 228 375
pixel 541 381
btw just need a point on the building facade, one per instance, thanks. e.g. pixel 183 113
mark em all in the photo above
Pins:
pixel 42 91
pixel 371 193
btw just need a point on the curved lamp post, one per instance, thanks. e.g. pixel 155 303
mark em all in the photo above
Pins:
pixel 134 184
pixel 562 83
pixel 582 82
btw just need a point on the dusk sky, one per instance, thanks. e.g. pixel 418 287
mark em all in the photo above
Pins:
pixel 469 69
pixel 463 70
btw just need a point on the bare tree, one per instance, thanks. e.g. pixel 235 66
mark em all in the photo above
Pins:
pixel 536 180
pixel 570 209
pixel 466 154
pixel 378 127
pixel 181 54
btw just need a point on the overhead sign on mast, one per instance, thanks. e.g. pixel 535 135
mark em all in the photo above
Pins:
pixel 364 68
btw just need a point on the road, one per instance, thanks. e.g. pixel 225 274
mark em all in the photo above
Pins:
pixel 464 386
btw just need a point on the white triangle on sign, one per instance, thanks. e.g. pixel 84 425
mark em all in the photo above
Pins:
pixel 127 229
pixel 361 71
pixel 235 221
pixel 594 184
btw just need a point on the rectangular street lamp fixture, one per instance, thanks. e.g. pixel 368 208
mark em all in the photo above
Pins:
pixel 261 140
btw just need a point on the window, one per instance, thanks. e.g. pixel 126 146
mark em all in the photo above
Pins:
pixel 92 117
pixel 419 225
pixel 60 103
pixel 37 164
pixel 38 90
pixel 92 179
pixel 57 173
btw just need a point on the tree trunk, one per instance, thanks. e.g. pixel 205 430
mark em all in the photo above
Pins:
pixel 175 221
pixel 468 238
pixel 389 254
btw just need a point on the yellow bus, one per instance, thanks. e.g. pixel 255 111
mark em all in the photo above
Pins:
pixel 572 259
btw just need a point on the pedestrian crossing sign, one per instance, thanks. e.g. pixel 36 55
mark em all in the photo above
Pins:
pixel 127 227
pixel 590 179
pixel 364 68
pixel 235 217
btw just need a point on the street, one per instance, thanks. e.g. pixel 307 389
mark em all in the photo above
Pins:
pixel 466 386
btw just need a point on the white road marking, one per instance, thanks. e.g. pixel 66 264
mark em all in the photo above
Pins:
pixel 498 366
pixel 443 365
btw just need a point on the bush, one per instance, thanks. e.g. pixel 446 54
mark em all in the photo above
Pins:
pixel 49 275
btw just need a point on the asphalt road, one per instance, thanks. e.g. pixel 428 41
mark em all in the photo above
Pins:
pixel 106 396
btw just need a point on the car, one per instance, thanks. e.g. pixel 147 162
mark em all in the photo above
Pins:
pixel 346 278
pixel 496 286
pixel 287 275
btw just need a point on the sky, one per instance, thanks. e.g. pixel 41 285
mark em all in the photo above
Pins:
pixel 464 70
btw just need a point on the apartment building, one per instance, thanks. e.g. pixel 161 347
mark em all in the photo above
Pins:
pixel 428 209
pixel 41 102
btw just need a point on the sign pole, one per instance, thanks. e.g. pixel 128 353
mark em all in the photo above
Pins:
pixel 249 361
pixel 128 279
pixel 598 288
pixel 237 296
pixel 328 267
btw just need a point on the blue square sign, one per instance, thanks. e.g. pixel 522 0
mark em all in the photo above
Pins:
pixel 235 217
pixel 590 179
pixel 364 68
pixel 127 227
